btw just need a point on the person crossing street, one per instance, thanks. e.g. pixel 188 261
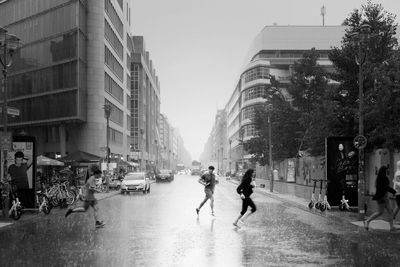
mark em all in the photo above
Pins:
pixel 245 189
pixel 90 200
pixel 208 180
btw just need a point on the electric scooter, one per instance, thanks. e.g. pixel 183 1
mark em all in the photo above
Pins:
pixel 325 204
pixel 319 202
pixel 312 201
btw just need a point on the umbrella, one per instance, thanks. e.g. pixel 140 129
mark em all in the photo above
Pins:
pixel 80 156
pixel 45 161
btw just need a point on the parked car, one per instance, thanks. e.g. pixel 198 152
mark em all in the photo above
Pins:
pixel 165 175
pixel 135 182
pixel 196 172
pixel 115 184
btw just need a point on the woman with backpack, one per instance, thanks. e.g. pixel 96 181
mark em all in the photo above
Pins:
pixel 245 189
pixel 382 198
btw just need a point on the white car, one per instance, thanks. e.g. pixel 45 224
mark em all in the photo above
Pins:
pixel 135 182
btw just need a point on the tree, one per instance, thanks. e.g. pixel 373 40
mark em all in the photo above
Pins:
pixel 379 90
pixel 285 128
pixel 308 89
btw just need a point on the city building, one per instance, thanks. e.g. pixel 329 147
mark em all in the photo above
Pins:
pixel 75 59
pixel 146 145
pixel 216 149
pixel 273 52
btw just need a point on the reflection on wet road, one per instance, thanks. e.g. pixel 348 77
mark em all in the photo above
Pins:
pixel 162 229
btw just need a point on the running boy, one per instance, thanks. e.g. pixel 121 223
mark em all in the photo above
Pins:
pixel 90 200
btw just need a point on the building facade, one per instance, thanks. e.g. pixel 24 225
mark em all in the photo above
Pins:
pixel 146 144
pixel 273 53
pixel 74 60
pixel 216 149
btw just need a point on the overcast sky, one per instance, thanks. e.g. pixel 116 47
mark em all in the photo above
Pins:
pixel 198 48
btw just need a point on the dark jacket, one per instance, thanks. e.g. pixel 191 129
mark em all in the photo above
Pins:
pixel 382 187
pixel 245 188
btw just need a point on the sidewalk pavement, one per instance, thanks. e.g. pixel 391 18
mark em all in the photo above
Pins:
pixel 31 215
pixel 299 196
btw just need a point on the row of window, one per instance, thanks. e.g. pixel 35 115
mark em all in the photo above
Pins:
pixel 18 10
pixel 113 40
pixel 254 92
pixel 249 130
pixel 39 55
pixel 52 106
pixel 40 27
pixel 116 115
pixel 113 88
pixel 52 78
pixel 290 54
pixel 113 64
pixel 115 136
pixel 113 15
pixel 248 113
pixel 259 72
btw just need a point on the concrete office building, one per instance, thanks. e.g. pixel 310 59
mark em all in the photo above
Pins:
pixel 145 108
pixel 216 149
pixel 74 60
pixel 273 52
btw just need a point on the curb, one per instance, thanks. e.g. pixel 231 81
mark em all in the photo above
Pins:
pixel 35 215
pixel 325 214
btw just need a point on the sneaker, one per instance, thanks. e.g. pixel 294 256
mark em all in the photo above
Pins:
pixel 197 211
pixel 69 211
pixel 236 224
pixel 366 227
pixel 99 224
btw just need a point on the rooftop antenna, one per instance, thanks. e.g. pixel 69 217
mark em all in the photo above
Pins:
pixel 323 12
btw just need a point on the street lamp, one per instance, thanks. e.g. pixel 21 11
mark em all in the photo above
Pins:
pixel 9 43
pixel 359 37
pixel 241 136
pixel 230 157
pixel 107 112
pixel 271 182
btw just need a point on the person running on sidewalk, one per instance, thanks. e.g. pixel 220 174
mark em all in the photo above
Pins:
pixel 208 180
pixel 245 189
pixel 90 200
pixel 396 185
pixel 382 198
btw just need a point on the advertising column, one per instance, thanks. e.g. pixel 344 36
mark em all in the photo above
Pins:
pixel 21 166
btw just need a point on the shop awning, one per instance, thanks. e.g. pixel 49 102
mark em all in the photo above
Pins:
pixel 45 161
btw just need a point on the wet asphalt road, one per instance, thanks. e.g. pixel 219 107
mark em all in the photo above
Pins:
pixel 162 229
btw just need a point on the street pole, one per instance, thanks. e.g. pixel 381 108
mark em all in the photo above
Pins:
pixel 107 111
pixel 230 158
pixel 5 115
pixel 361 35
pixel 362 205
pixel 271 185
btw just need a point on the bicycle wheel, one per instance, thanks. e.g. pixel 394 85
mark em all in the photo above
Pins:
pixel 16 214
pixel 70 196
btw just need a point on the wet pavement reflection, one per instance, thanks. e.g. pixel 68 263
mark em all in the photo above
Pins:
pixel 162 229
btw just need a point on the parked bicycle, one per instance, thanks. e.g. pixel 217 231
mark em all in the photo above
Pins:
pixel 43 202
pixel 15 211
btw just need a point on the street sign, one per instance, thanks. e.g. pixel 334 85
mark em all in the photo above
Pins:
pixel 360 142
pixel 11 111
pixel 6 141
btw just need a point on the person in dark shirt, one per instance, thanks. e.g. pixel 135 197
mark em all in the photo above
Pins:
pixel 19 179
pixel 208 180
pixel 382 198
pixel 245 189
